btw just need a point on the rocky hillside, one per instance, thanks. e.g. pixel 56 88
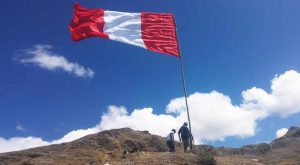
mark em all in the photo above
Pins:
pixel 284 150
pixel 98 148
pixel 126 146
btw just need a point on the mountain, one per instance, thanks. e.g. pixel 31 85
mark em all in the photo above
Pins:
pixel 126 146
pixel 285 148
pixel 104 147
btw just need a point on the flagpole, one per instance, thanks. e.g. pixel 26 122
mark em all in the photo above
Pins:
pixel 184 86
pixel 186 101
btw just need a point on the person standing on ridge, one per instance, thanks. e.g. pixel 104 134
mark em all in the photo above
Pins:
pixel 171 141
pixel 184 135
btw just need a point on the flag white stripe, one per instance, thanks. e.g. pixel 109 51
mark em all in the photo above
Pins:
pixel 124 27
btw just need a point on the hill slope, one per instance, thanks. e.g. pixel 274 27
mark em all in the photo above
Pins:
pixel 144 148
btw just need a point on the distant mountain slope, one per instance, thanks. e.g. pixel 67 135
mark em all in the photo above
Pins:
pixel 285 148
pixel 144 148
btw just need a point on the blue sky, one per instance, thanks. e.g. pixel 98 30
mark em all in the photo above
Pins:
pixel 227 46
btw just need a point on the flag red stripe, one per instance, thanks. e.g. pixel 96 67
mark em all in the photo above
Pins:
pixel 159 33
pixel 87 23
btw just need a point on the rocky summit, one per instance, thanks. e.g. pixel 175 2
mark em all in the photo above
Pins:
pixel 129 147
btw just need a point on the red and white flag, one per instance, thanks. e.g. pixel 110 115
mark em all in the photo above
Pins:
pixel 153 31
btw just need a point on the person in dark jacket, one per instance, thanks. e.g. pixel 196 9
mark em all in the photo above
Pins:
pixel 184 136
pixel 171 141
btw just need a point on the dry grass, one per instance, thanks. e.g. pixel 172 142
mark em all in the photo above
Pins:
pixel 237 160
pixel 144 149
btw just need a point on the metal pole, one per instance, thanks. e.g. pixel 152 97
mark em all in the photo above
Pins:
pixel 186 101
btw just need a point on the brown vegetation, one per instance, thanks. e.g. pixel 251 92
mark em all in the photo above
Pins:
pixel 143 148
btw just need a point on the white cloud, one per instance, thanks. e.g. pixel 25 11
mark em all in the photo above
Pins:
pixel 281 132
pixel 213 115
pixel 42 56
pixel 76 134
pixel 283 100
pixel 139 119
pixel 19 143
pixel 20 127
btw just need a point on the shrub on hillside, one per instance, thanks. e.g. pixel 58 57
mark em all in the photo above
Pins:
pixel 205 158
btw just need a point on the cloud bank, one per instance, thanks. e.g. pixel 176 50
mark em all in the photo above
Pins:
pixel 42 56
pixel 213 116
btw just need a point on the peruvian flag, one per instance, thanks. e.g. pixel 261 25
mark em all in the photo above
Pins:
pixel 153 31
